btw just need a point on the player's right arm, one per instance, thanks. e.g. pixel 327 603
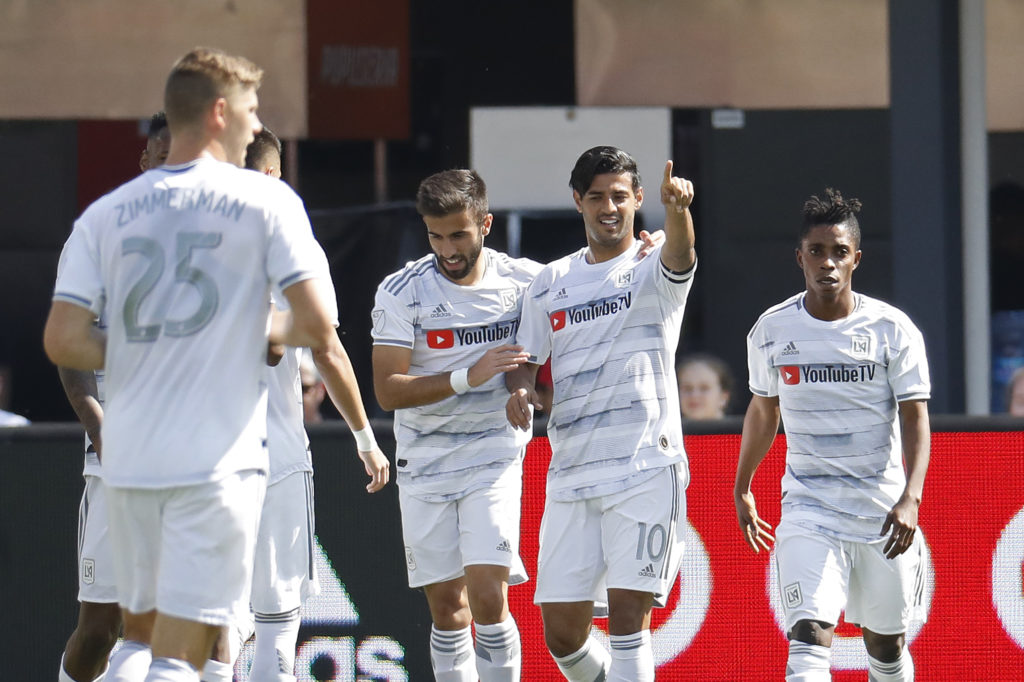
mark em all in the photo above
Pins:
pixel 522 385
pixel 396 388
pixel 71 339
pixel 80 388
pixel 760 425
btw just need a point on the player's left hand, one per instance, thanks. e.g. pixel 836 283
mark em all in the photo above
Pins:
pixel 377 467
pixel 675 192
pixel 902 520
pixel 651 240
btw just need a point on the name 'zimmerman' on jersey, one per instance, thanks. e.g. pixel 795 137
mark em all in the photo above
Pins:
pixel 168 260
pixel 464 442
pixel 611 330
pixel 839 384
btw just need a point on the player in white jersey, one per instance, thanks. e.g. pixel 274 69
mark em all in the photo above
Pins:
pixel 616 485
pixel 284 574
pixel 442 330
pixel 849 376
pixel 99 615
pixel 181 261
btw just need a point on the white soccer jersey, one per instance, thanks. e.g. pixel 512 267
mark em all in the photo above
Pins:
pixel 287 442
pixel 92 460
pixel 611 330
pixel 181 260
pixel 464 442
pixel 838 385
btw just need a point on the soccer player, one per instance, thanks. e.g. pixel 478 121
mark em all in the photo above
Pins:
pixel 442 331
pixel 99 615
pixel 849 376
pixel 158 142
pixel 181 261
pixel 284 574
pixel 616 484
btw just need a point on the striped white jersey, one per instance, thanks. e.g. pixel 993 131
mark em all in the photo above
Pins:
pixel 839 384
pixel 450 448
pixel 287 442
pixel 611 330
pixel 181 260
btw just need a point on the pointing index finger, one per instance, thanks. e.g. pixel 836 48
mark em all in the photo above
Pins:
pixel 668 170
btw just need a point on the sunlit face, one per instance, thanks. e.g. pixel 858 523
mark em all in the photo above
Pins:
pixel 457 240
pixel 828 256
pixel 609 208
pixel 157 149
pixel 700 392
pixel 240 123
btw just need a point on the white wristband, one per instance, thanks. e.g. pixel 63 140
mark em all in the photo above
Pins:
pixel 365 440
pixel 459 379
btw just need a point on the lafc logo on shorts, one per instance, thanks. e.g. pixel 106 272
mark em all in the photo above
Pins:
pixel 410 561
pixel 88 571
pixel 647 572
pixel 793 596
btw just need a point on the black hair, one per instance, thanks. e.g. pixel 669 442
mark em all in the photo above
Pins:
pixel 262 144
pixel 453 191
pixel 832 210
pixel 599 160
pixel 157 122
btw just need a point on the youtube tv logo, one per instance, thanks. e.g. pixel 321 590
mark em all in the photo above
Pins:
pixel 557 320
pixel 440 338
pixel 790 374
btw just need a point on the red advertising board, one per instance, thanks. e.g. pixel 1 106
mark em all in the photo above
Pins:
pixel 724 627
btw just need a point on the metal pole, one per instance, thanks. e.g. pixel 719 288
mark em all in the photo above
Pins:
pixel 974 188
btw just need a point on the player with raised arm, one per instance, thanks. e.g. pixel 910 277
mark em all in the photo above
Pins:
pixel 284 574
pixel 99 615
pixel 849 376
pixel 616 503
pixel 181 260
pixel 442 332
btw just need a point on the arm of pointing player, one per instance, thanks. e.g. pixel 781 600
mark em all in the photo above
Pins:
pixel 396 388
pixel 678 254
pixel 902 519
pixel 521 383
pixel 80 388
pixel 340 380
pixel 760 425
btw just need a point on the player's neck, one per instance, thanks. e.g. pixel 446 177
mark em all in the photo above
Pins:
pixel 830 309
pixel 600 253
pixel 186 148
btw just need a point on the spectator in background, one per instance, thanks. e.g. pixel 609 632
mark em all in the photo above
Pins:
pixel 313 390
pixel 705 387
pixel 1015 394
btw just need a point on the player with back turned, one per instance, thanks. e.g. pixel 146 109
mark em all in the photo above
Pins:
pixel 849 377
pixel 181 260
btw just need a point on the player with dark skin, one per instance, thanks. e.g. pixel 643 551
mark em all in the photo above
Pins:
pixel 828 255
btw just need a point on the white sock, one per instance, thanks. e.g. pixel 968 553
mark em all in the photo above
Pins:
pixel 499 655
pixel 632 658
pixel 217 671
pixel 130 663
pixel 274 651
pixel 589 664
pixel 900 670
pixel 63 676
pixel 451 655
pixel 171 670
pixel 808 663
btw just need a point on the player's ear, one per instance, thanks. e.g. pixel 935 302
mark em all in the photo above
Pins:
pixel 800 259
pixel 856 259
pixel 639 197
pixel 485 228
pixel 579 201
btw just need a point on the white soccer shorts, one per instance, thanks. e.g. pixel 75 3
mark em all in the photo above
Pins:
pixel 441 538
pixel 284 570
pixel 820 576
pixel 187 551
pixel 95 557
pixel 630 540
